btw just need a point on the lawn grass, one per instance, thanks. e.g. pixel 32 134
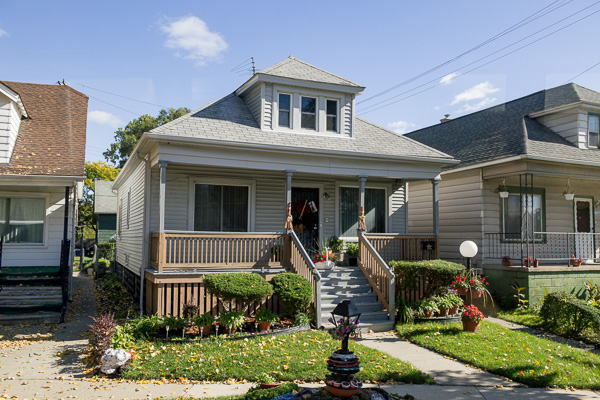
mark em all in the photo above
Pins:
pixel 526 317
pixel 300 356
pixel 519 356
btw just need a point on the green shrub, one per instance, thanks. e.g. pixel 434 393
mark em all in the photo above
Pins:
pixel 352 249
pixel 124 337
pixel 335 244
pixel 294 292
pixel 241 287
pixel 256 393
pixel 266 315
pixel 437 275
pixel 233 319
pixel 568 315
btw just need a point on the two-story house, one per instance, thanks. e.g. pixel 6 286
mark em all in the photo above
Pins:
pixel 257 180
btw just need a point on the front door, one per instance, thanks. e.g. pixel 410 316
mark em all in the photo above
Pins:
pixel 584 227
pixel 305 211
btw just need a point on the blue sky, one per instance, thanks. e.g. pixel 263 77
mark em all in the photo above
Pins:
pixel 181 53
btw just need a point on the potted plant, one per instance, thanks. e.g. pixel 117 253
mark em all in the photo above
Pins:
pixel 204 323
pixel 575 262
pixel 265 317
pixel 568 192
pixel 352 252
pixel 528 261
pixel 266 381
pixel 502 190
pixel 232 321
pixel 323 261
pixel 461 284
pixel 478 285
pixel 456 302
pixel 506 261
pixel 428 307
pixel 173 323
pixel 443 304
pixel 471 318
pixel 337 246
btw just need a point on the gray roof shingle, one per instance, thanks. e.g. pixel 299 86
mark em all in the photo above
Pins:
pixel 506 130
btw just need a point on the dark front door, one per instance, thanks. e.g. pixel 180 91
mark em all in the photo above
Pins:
pixel 305 210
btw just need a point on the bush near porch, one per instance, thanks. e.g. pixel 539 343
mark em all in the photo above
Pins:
pixel 416 280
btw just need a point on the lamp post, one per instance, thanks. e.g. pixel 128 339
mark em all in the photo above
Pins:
pixel 468 249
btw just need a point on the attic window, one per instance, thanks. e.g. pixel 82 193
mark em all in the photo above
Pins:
pixel 332 115
pixel 284 110
pixel 309 113
pixel 593 131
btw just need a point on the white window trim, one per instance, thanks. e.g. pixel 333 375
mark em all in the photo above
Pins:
pixel 25 195
pixel 388 205
pixel 588 130
pixel 193 181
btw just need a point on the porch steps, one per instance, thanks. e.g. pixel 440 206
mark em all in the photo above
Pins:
pixel 349 283
pixel 39 317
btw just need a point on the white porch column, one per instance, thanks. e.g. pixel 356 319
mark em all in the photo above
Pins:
pixel 361 211
pixel 288 198
pixel 161 195
pixel 436 205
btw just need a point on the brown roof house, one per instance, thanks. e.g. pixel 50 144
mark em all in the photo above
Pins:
pixel 42 156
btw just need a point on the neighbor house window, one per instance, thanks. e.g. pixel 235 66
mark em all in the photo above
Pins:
pixel 332 115
pixel 375 210
pixel 593 130
pixel 309 113
pixel 221 208
pixel 515 211
pixel 22 220
pixel 284 110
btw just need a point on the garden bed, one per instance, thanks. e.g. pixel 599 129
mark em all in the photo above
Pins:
pixel 284 330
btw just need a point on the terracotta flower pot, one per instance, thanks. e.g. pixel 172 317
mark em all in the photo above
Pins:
pixel 470 326
pixel 452 310
pixel 462 291
pixel 443 312
pixel 206 330
pixel 264 326
pixel 229 331
pixel 476 293
pixel 427 314
pixel 575 263
pixel 508 263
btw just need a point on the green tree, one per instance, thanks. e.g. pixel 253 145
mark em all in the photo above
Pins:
pixel 126 138
pixel 94 171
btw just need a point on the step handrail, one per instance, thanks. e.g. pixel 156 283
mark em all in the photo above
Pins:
pixel 315 273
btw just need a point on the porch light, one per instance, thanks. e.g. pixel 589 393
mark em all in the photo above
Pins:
pixel 502 190
pixel 568 193
pixel 350 314
pixel 468 249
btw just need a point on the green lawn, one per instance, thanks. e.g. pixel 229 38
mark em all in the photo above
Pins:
pixel 525 317
pixel 300 356
pixel 519 356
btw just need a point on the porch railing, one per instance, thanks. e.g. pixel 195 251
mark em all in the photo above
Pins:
pixel 378 274
pixel 543 246
pixel 405 247
pixel 174 250
pixel 302 265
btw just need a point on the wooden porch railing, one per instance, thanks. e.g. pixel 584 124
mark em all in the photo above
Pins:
pixel 405 247
pixel 302 265
pixel 378 274
pixel 194 250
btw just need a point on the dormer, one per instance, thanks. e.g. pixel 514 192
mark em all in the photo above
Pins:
pixel 12 112
pixel 293 96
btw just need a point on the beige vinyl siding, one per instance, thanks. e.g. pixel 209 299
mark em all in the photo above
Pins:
pixel 48 254
pixel 570 124
pixel 130 244
pixel 268 107
pixel 254 100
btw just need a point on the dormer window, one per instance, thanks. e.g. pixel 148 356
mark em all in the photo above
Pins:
pixel 284 110
pixel 309 113
pixel 332 115
pixel 593 131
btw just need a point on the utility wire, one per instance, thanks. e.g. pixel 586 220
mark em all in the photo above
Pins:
pixel 480 45
pixel 112 105
pixel 240 64
pixel 482 65
pixel 578 75
pixel 118 95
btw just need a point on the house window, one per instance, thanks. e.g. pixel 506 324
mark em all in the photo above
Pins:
pixel 284 110
pixel 375 210
pixel 220 208
pixel 593 130
pixel 332 115
pixel 515 210
pixel 22 220
pixel 309 113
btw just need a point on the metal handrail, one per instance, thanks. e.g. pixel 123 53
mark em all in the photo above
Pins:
pixel 316 275
pixel 390 274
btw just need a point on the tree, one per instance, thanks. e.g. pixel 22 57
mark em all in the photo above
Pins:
pixel 126 138
pixel 94 171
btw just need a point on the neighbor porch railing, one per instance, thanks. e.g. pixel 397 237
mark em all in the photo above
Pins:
pixel 302 265
pixel 411 247
pixel 543 246
pixel 378 274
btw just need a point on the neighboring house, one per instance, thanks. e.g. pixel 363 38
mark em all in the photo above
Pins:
pixel 105 209
pixel 538 147
pixel 208 192
pixel 42 154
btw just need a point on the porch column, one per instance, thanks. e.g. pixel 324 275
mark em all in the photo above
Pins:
pixel 436 205
pixel 288 199
pixel 161 195
pixel 362 226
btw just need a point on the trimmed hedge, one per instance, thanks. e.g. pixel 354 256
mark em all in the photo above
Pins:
pixel 256 393
pixel 569 315
pixel 294 292
pixel 437 275
pixel 241 287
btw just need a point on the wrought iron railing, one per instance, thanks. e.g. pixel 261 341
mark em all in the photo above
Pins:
pixel 65 255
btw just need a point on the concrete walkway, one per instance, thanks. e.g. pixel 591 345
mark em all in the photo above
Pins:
pixel 52 368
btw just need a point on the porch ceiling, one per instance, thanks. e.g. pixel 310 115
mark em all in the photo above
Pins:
pixel 541 168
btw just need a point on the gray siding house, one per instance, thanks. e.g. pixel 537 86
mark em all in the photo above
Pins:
pixel 105 209
pixel 212 190
pixel 527 186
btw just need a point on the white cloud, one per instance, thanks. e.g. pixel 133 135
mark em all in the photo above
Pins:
pixel 192 39
pixel 446 80
pixel 466 108
pixel 3 32
pixel 105 118
pixel 401 127
pixel 477 92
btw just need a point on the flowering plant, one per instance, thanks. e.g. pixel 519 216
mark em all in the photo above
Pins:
pixel 345 328
pixel 470 282
pixel 472 314
pixel 528 260
pixel 319 258
pixel 505 259
pixel 579 260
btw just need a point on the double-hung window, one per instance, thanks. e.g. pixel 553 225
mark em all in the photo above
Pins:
pixel 593 131
pixel 22 219
pixel 221 208
pixel 309 113
pixel 523 213
pixel 375 210
pixel 332 115
pixel 285 110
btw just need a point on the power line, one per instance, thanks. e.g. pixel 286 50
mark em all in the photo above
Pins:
pixel 480 45
pixel 578 75
pixel 118 95
pixel 240 64
pixel 482 65
pixel 112 105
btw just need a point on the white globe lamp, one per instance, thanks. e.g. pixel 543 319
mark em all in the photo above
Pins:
pixel 468 249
